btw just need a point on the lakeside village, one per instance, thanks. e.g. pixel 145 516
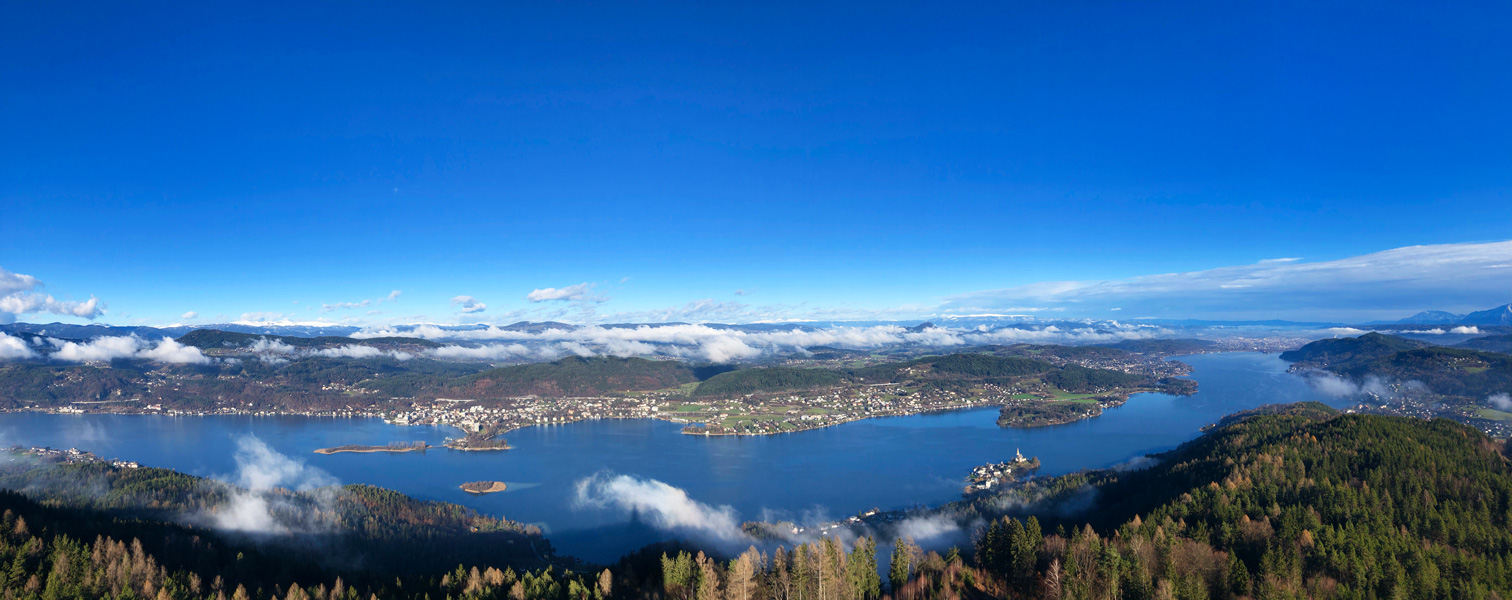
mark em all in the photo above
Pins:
pixel 71 456
pixel 482 419
pixel 981 480
pixel 752 414
pixel 991 475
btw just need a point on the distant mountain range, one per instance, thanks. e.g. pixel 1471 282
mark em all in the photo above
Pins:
pixel 1501 315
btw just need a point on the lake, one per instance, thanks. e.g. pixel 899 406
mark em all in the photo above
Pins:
pixel 810 476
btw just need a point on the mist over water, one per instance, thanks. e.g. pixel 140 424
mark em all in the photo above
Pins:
pixel 603 488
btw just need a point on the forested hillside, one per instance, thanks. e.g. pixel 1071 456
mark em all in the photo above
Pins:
pixel 357 528
pixel 1460 372
pixel 573 376
pixel 209 339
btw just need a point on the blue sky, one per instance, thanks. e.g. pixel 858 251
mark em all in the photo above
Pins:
pixel 698 162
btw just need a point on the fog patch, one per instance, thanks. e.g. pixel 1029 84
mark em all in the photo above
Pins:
pixel 258 499
pixel 1373 386
pixel 933 531
pixel 12 348
pixel 661 505
pixel 1501 402
pixel 1138 463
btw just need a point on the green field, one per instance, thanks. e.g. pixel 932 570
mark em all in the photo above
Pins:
pixel 1493 414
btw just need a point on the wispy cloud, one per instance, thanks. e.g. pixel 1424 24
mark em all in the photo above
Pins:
pixel 720 345
pixel 335 306
pixel 468 304
pixel 582 292
pixel 1448 276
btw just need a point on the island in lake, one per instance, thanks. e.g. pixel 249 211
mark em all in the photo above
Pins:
pixel 391 447
pixel 483 487
pixel 478 441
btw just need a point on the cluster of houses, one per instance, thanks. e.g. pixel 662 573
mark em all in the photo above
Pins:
pixel 72 456
pixel 991 475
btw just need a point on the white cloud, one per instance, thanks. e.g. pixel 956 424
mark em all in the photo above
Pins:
pixel 579 292
pixel 17 297
pixel 260 317
pixel 170 351
pixel 484 352
pixel 254 507
pixel 468 304
pixel 349 351
pixel 1471 330
pixel 1501 402
pixel 12 348
pixel 663 506
pixel 392 296
pixel 108 348
pixel 189 316
pixel 11 283
pixel 1389 282
pixel 345 305
pixel 720 345
pixel 99 349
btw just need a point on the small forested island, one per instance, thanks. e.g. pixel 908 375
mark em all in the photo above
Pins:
pixel 1058 412
pixel 391 447
pixel 483 487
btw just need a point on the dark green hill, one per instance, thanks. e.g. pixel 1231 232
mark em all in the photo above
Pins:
pixel 1165 347
pixel 574 376
pixel 207 339
pixel 1490 343
pixel 1341 351
pixel 1047 350
pixel 952 366
pixel 949 370
pixel 1448 371
pixel 767 379
pixel 982 365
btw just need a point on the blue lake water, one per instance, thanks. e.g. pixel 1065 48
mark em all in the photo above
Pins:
pixel 829 473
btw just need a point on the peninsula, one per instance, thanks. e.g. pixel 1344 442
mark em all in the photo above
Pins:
pixel 391 447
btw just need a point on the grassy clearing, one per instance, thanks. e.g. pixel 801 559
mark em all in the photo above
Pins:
pixel 1493 414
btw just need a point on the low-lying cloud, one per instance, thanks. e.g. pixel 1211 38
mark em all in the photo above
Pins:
pixel 1461 330
pixel 721 345
pixel 1385 389
pixel 255 506
pixel 663 506
pixel 14 348
pixel 103 349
